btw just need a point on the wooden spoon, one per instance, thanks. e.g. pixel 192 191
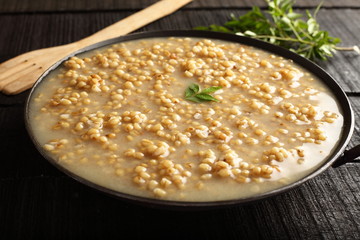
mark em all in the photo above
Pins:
pixel 20 73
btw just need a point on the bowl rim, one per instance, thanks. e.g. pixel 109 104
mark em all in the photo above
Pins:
pixel 326 78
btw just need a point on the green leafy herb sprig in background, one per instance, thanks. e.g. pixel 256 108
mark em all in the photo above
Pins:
pixel 282 26
pixel 195 94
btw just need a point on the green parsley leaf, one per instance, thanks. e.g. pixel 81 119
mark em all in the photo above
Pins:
pixel 194 99
pixel 211 89
pixel 189 92
pixel 193 93
pixel 206 97
pixel 194 87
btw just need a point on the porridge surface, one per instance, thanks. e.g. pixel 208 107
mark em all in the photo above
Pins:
pixel 117 116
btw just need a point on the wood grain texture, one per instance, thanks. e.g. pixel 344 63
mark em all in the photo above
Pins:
pixel 21 72
pixel 312 211
pixel 39 202
pixel 61 28
pixel 17 6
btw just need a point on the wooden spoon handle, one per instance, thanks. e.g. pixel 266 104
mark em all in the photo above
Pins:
pixel 20 73
pixel 135 21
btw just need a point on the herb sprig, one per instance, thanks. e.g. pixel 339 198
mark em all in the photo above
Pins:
pixel 195 94
pixel 282 26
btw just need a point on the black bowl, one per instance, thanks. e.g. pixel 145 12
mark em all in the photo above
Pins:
pixel 337 154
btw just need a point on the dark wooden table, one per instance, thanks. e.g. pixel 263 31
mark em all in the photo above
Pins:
pixel 39 202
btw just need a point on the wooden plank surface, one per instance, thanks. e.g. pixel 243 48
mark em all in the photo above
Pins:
pixel 39 202
pixel 12 6
pixel 26 34
pixel 322 208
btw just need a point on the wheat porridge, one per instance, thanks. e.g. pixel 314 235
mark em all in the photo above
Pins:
pixel 185 119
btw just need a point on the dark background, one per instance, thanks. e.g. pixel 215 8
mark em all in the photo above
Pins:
pixel 39 202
